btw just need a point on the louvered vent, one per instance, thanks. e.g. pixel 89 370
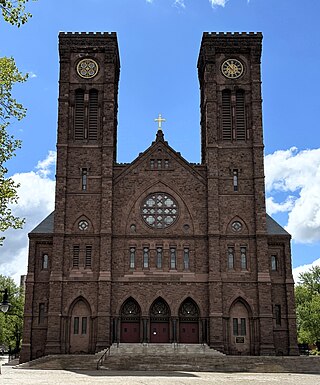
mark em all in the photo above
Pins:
pixel 240 116
pixel 93 115
pixel 79 115
pixel 88 256
pixel 226 115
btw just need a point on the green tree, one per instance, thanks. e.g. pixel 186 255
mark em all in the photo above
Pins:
pixel 11 323
pixel 308 306
pixel 14 13
pixel 9 109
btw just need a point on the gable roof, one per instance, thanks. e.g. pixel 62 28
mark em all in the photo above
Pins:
pixel 175 154
pixel 273 227
pixel 44 227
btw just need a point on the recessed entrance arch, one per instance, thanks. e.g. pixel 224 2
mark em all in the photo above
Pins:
pixel 189 322
pixel 80 327
pixel 240 328
pixel 130 321
pixel 159 322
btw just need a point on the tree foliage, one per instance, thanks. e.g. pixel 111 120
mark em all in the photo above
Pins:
pixel 308 306
pixel 14 12
pixel 9 109
pixel 11 323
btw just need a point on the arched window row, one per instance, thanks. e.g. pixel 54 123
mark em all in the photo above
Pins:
pixel 159 258
pixel 234 116
pixel 86 115
pixel 159 309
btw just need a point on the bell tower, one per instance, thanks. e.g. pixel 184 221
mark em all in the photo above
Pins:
pixel 232 150
pixel 86 153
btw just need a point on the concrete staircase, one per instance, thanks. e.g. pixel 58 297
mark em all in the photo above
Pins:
pixel 171 357
pixel 64 361
pixel 162 350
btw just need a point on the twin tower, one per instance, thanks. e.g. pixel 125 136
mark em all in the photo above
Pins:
pixel 159 250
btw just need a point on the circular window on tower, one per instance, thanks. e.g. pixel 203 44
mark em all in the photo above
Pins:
pixel 83 225
pixel 159 210
pixel 87 68
pixel 236 226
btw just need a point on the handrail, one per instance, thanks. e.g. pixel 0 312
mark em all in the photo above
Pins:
pixel 103 357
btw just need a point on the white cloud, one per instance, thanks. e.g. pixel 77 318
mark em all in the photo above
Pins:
pixel 36 201
pixel 32 75
pixel 215 3
pixel 176 3
pixel 44 166
pixel 274 207
pixel 179 3
pixel 296 176
pixel 304 268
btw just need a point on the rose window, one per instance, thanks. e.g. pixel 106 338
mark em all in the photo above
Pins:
pixel 159 210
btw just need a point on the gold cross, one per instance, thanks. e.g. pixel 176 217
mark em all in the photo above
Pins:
pixel 159 120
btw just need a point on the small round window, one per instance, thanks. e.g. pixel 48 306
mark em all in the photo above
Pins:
pixel 159 210
pixel 83 225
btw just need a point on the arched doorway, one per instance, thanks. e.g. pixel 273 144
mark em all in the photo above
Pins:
pixel 80 327
pixel 240 338
pixel 159 322
pixel 130 321
pixel 189 322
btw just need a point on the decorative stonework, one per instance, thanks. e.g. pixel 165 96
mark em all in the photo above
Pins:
pixel 236 226
pixel 159 210
pixel 83 225
pixel 87 68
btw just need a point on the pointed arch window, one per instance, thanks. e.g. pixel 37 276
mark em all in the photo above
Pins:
pixel 189 311
pixel 130 310
pixel 160 310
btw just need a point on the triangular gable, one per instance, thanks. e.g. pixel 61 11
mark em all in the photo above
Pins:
pixel 161 143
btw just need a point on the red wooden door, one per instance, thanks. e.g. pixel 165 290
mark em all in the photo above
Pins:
pixel 189 333
pixel 130 332
pixel 159 332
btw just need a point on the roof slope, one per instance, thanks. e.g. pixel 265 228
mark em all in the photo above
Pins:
pixel 46 226
pixel 273 227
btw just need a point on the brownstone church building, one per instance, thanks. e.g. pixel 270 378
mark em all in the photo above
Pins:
pixel 160 250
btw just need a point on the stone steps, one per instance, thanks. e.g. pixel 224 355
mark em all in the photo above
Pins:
pixel 207 363
pixel 162 349
pixel 64 361
pixel 170 357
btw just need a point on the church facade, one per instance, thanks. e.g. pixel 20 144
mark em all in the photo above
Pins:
pixel 160 250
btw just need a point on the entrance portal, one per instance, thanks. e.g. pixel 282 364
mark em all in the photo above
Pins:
pixel 80 328
pixel 130 322
pixel 159 332
pixel 159 322
pixel 189 322
pixel 189 332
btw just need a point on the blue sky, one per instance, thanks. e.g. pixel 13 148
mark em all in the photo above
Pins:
pixel 159 43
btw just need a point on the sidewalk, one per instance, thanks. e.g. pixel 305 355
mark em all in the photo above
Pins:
pixel 12 376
